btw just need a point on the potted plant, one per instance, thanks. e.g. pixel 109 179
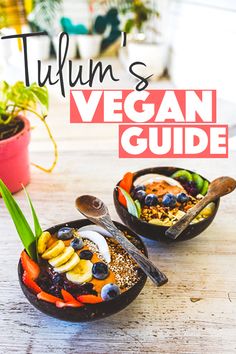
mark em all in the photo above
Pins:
pixel 15 101
pixel 144 42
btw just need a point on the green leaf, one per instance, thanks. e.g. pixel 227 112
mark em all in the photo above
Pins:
pixel 130 203
pixel 37 228
pixel 138 207
pixel 21 224
pixel 129 25
pixel 41 94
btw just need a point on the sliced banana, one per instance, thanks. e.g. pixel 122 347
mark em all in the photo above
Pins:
pixel 72 262
pixel 100 241
pixel 42 241
pixel 53 251
pixel 63 257
pixel 81 273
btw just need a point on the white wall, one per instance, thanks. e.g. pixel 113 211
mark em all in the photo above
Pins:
pixel 203 43
pixel 76 10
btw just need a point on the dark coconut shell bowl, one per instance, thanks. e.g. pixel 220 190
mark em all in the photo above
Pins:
pixel 157 232
pixel 92 311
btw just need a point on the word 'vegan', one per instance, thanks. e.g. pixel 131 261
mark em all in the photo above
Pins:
pixel 182 121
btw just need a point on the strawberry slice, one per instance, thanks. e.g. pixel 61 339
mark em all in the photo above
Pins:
pixel 30 283
pixel 67 297
pixel 29 266
pixel 74 303
pixel 48 297
pixel 89 299
pixel 126 183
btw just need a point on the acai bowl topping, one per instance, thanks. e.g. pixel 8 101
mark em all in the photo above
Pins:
pixel 72 267
pixel 163 200
pixel 89 266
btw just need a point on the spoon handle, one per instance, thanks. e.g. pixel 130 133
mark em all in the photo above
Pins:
pixel 147 266
pixel 174 231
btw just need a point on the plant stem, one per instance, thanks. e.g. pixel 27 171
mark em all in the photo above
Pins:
pixel 43 120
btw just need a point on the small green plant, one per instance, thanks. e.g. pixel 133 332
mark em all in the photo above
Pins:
pixel 16 99
pixel 27 236
pixel 138 12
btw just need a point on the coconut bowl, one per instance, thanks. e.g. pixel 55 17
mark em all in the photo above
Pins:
pixel 157 232
pixel 92 311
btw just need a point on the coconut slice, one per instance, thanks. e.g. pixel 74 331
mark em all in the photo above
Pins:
pixel 95 228
pixel 154 177
pixel 100 241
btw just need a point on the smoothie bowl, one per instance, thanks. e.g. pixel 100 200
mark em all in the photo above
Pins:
pixel 150 201
pixel 75 271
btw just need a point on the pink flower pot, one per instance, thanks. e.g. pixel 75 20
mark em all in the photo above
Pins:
pixel 14 159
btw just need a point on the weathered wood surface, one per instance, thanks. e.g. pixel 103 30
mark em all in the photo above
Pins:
pixel 194 313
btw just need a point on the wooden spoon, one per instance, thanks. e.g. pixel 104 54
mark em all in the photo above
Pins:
pixel 219 187
pixel 96 211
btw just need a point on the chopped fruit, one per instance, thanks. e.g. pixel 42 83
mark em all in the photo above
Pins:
pixel 204 188
pixel 138 207
pixel 62 258
pixel 89 299
pixel 199 181
pixel 72 262
pixel 182 198
pixel 67 297
pixel 191 188
pixel 140 195
pixel 61 304
pixel 29 266
pixel 127 182
pixel 110 291
pixel 139 188
pixel 208 210
pixel 169 200
pixel 151 200
pixel 77 243
pixel 53 251
pixel 100 270
pixel 121 198
pixel 43 241
pixel 30 283
pixel 182 175
pixel 81 273
pixel 48 297
pixel 65 233
pixel 100 241
pixel 86 254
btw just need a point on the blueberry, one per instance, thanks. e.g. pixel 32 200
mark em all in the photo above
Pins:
pixel 140 195
pixel 86 254
pixel 151 200
pixel 169 200
pixel 77 243
pixel 65 233
pixel 182 198
pixel 139 188
pixel 110 291
pixel 100 270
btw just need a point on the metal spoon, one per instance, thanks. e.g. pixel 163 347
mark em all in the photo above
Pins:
pixel 96 211
pixel 219 187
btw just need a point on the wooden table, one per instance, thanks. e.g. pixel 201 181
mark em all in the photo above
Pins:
pixel 194 313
